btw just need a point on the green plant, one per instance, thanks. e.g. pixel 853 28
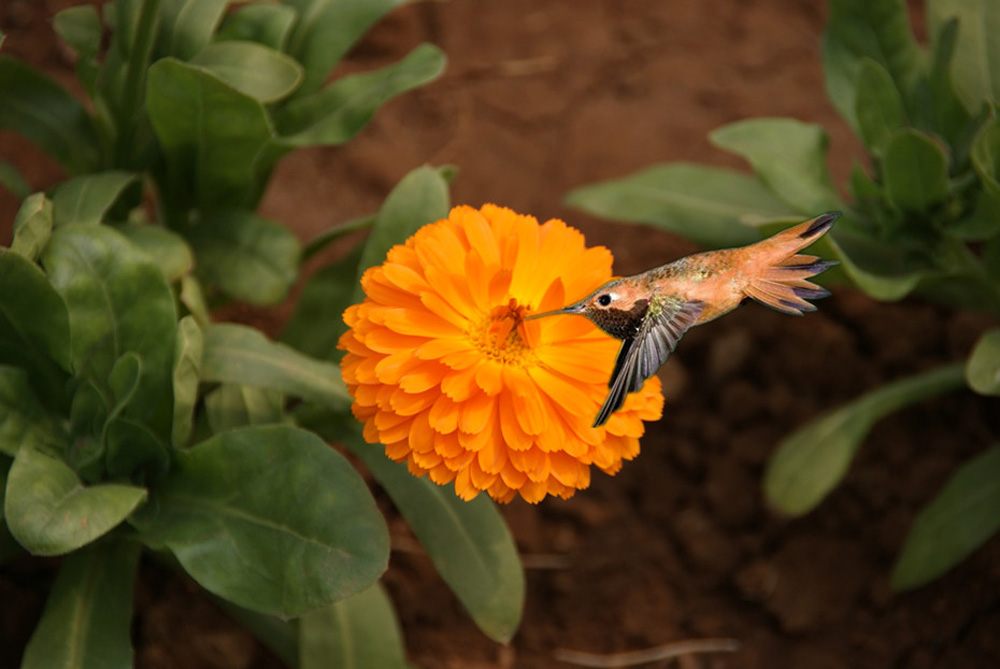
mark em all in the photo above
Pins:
pixel 923 219
pixel 131 422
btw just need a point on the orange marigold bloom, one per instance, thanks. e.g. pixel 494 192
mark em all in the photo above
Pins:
pixel 445 373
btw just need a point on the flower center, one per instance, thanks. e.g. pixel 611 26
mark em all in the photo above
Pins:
pixel 497 335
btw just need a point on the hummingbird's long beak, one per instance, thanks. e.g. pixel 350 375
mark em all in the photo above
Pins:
pixel 571 309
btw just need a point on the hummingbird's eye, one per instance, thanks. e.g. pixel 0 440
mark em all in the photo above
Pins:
pixel 604 300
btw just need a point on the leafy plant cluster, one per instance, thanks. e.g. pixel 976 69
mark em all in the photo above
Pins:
pixel 130 422
pixel 923 218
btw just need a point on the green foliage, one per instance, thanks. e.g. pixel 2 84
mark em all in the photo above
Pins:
pixel 923 218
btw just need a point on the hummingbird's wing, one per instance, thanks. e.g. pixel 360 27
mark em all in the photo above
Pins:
pixel 640 356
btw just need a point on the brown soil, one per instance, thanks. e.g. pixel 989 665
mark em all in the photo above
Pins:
pixel 540 97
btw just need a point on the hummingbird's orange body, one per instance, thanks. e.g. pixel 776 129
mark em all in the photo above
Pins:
pixel 651 311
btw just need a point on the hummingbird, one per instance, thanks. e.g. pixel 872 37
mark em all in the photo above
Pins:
pixel 651 311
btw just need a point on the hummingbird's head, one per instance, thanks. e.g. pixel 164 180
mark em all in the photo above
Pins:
pixel 617 307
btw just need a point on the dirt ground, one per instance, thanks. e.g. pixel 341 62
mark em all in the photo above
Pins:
pixel 540 97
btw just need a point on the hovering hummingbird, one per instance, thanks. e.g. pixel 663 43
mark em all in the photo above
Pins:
pixel 651 311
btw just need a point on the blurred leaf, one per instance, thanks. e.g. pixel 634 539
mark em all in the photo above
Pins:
pixel 361 631
pixel 50 512
pixel 166 248
pixel 188 348
pixel 975 67
pixel 280 636
pixel 34 321
pixel 186 26
pixel 32 226
pixel 269 25
pixel 875 29
pixel 336 113
pixel 468 542
pixel 193 299
pixel 269 518
pixel 328 236
pixel 812 460
pixel 133 449
pixel 937 107
pixel 88 615
pixel 878 107
pixel 982 369
pixel 986 158
pixel 231 406
pixel 327 29
pixel 118 301
pixel 915 171
pixel 88 198
pixel 789 156
pixel 239 354
pixel 707 205
pixel 80 28
pixel 251 258
pixel 264 74
pixel 12 181
pixel 959 520
pixel 24 422
pixel 869 264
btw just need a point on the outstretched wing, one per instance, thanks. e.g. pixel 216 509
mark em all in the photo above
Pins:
pixel 640 356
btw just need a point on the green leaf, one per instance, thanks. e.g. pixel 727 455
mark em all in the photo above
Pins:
pixel 336 113
pixel 874 29
pixel 419 198
pixel 812 460
pixel 50 512
pixel 982 369
pixel 119 301
pixel 789 156
pixel 915 171
pixel 328 236
pixel 251 258
pixel 975 67
pixel 710 206
pixel 878 107
pixel 12 181
pixel 23 419
pixel 80 28
pixel 88 198
pixel 87 618
pixel 959 520
pixel 873 267
pixel 232 406
pixel 269 518
pixel 193 299
pixel 239 354
pixel 264 74
pixel 133 451
pixel 188 348
pixel 167 249
pixel 269 25
pixel 327 29
pixel 32 226
pixel 186 26
pixel 468 542
pixel 986 159
pixel 40 109
pixel 937 108
pixel 361 631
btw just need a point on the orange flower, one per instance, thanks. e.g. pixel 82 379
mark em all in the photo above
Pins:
pixel 444 372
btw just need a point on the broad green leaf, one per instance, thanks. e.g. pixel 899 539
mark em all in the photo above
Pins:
pixel 186 26
pixel 188 348
pixel 32 226
pixel 119 301
pixel 878 107
pixel 43 111
pixel 134 452
pixel 959 520
pixel 982 369
pixel 871 266
pixel 707 205
pixel 789 156
pixel 86 199
pixel 361 631
pixel 419 198
pixel 875 29
pixel 232 406
pixel 936 106
pixel 213 137
pixel 326 29
pixel 269 25
pixel 34 320
pixel 88 615
pixel 12 181
pixel 264 74
pixel 166 248
pixel 50 512
pixel 269 518
pixel 23 419
pixel 915 171
pixel 239 354
pixel 812 460
pixel 975 67
pixel 336 113
pixel 318 321
pixel 251 258
pixel 468 542
pixel 986 158
pixel 80 28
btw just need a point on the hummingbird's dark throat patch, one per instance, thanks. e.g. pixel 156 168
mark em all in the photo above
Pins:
pixel 621 323
pixel 498 334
